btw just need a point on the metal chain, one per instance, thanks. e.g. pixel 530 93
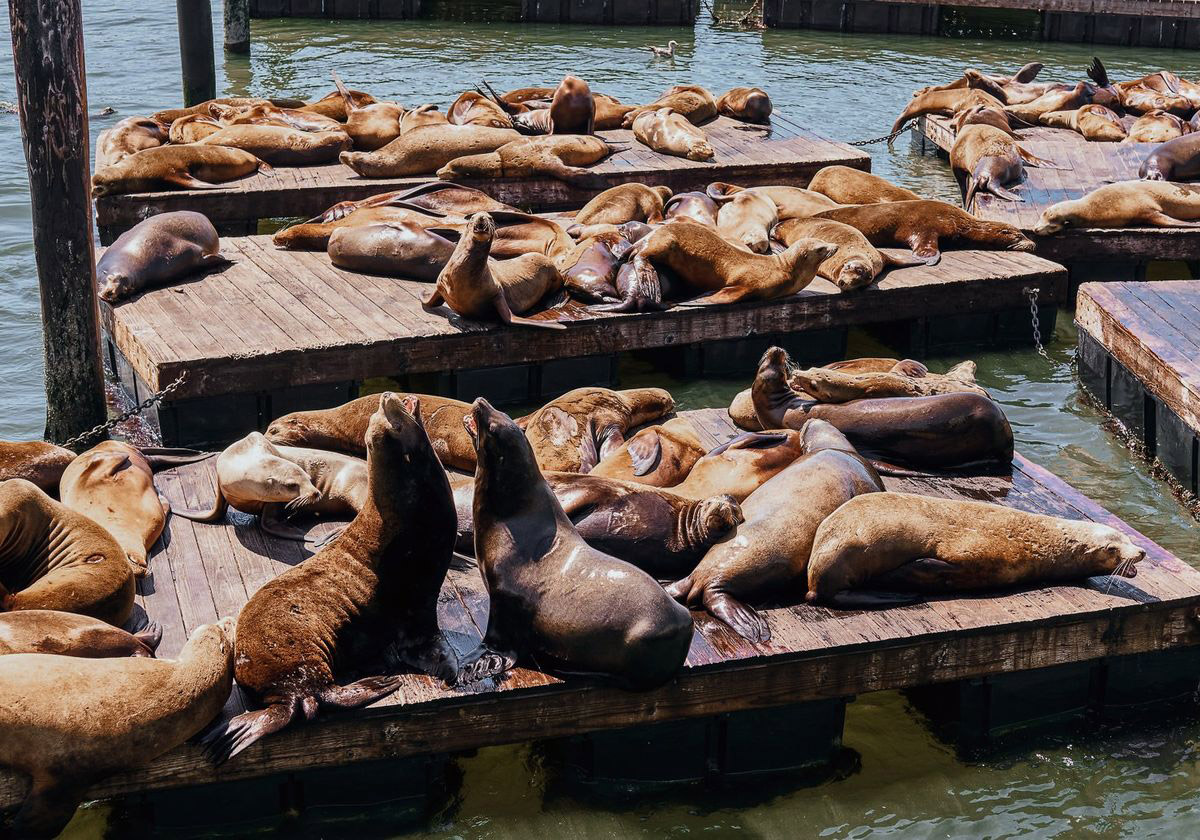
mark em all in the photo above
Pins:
pixel 125 415
pixel 1032 292
pixel 889 137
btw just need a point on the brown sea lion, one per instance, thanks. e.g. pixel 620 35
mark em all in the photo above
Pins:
pixel 610 112
pixel 660 456
pixel 127 137
pixel 431 196
pixel 589 269
pixel 424 150
pixel 766 559
pixel 533 122
pixel 68 634
pixel 632 202
pixel 746 218
pixel 833 385
pixel 194 128
pixel 739 467
pixel 520 234
pixel 790 202
pixel 333 104
pixel 906 542
pixel 35 461
pixel 370 126
pixel 553 597
pixel 1024 75
pixel 1125 204
pixel 983 115
pixel 985 158
pixel 1094 122
pixel 375 584
pixel 476 286
pixel 572 108
pixel 639 288
pixel 1008 91
pixel 400 249
pixel 1175 160
pixel 472 108
pixel 273 115
pixel 158 251
pixel 1156 127
pixel 193 167
pixel 576 431
pixel 280 146
pixel 314 235
pixel 1137 97
pixel 52 558
pixel 847 185
pixel 669 133
pixel 856 264
pixel 945 103
pixel 695 206
pixel 67 722
pixel 171 114
pixel 693 102
pixel 741 412
pixel 421 117
pixel 925 226
pixel 559 156
pixel 748 104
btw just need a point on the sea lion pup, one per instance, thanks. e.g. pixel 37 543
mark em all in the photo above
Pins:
pixel 1175 160
pixel 831 385
pixel 280 146
pixel 576 431
pixel 694 206
pixel 748 104
pixel 706 262
pixel 631 202
pixel 475 286
pixel 554 598
pixel 130 135
pixel 194 167
pixel 370 126
pixel 983 115
pixel 1125 204
pixel 790 202
pixel 53 558
pixel 113 485
pixel 939 432
pixel 925 226
pixel 746 218
pixel 669 133
pixel 660 456
pixel 847 185
pixel 426 149
pixel 68 722
pixel 944 103
pixel 156 252
pixel 856 264
pixel 560 156
pixel 1094 122
pixel 985 158
pixel 1156 127
pixel 68 634
pixel 342 428
pixel 400 249
pixel 766 559
pixel 693 102
pixel 910 543
pixel 375 584
pixel 333 104
pixel 35 461
pixel 742 465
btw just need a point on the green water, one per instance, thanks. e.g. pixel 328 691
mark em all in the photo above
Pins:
pixel 1134 780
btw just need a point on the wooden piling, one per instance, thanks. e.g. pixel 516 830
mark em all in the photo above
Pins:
pixel 237 26
pixel 196 50
pixel 47 42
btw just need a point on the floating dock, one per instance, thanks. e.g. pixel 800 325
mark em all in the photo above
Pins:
pixel 278 331
pixel 1139 356
pixel 782 153
pixel 1101 636
pixel 611 12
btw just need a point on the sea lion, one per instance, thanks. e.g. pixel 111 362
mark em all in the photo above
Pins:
pixel 1156 127
pixel 833 385
pixel 375 584
pixel 553 597
pixel 983 115
pixel 156 252
pixel 52 558
pixel 533 122
pixel 740 466
pixel 280 146
pixel 906 542
pixel 520 234
pixel 639 287
pixel 1175 160
pixel 1024 75
pixel 856 264
pixel 746 218
pixel 766 559
pixel 669 133
pixel 1138 97
pixel 1094 122
pixel 945 103
pixel 706 262
pixel 113 485
pixel 695 206
pixel 741 412
pixel 400 249
pixel 430 197
pixel 333 104
pixel 847 185
pixel 925 226
pixel 314 235
pixel 576 431
pixel 424 150
pixel 68 634
pixel 1008 91
pixel 171 114
pixel 589 269
pixel 938 432
pixel 67 722
pixel 559 156
pixel 193 167
pixel 369 126
pixel 693 102
pixel 1056 99
pixel 194 128
pixel 985 158
pixel 748 104
pixel 265 114
pixel 473 108
pixel 1125 204
pixel 572 108
pixel 476 286
pixel 610 112
pixel 790 202
pixel 130 135
pixel 420 117
pixel 35 461
pixel 660 456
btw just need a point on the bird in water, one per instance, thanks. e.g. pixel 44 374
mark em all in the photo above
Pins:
pixel 665 52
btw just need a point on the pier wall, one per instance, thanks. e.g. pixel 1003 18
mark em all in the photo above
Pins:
pixel 612 12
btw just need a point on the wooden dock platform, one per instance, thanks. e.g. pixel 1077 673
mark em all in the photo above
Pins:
pixel 277 330
pixel 201 572
pixel 1139 356
pixel 784 153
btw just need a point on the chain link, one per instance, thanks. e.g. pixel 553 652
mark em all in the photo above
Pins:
pixel 1032 292
pixel 888 137
pixel 125 415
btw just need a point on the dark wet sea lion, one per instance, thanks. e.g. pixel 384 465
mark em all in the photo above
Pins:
pixel 158 251
pixel 983 115
pixel 669 133
pixel 375 584
pixel 696 206
pixel 985 158
pixel 576 431
pixel 847 185
pixel 35 461
pixel 572 108
pixel 766 559
pixel 589 270
pixel 130 135
pixel 400 249
pixel 746 218
pixel 855 265
pixel 69 634
pixel 183 167
pixel 554 598
pixel 660 456
pixel 560 156
pixel 1125 204
pixel 748 104
pixel 52 558
pixel 67 722
pixel 532 123
pixel 631 202
pixel 1175 160
pixel 639 288
pixel 424 150
pixel 742 465
pixel 280 146
pixel 910 543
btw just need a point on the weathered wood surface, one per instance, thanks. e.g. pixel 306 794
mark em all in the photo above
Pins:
pixel 207 571
pixel 1151 329
pixel 789 154
pixel 279 318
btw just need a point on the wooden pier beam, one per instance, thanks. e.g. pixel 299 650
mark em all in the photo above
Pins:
pixel 237 26
pixel 47 42
pixel 196 50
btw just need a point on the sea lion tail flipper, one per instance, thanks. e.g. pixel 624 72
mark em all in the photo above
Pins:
pixel 150 635
pixel 270 524
pixel 752 440
pixel 1033 160
pixel 973 186
pixel 1001 192
pixel 227 738
pixel 507 316
pixel 216 260
pixel 645 451
pixel 433 299
pixel 325 540
pixel 1097 73
pixel 358 694
pixel 498 99
pixel 1028 73
pixel 266 169
pixel 166 457
pixel 610 439
pixel 341 88
pixel 740 618
pixel 894 260
pixel 483 664
pixel 188 182
pixel 860 599
pixel 215 514
pixel 1163 220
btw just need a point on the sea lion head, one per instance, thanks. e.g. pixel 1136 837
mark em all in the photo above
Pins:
pixel 854 274
pixel 506 471
pixel 401 461
pixel 1108 551
pixel 648 404
pixel 1012 239
pixel 1058 217
pixel 482 228
pixel 398 418
pixel 114 285
pixel 715 517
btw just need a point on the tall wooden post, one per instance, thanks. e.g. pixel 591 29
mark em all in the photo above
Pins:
pixel 237 26
pixel 196 50
pixel 47 38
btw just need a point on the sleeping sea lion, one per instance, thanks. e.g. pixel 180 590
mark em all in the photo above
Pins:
pixel 742 465
pixel 68 634
pixel 423 150
pixel 194 128
pixel 847 185
pixel 1094 122
pixel 156 252
pixel 833 385
pixel 171 114
pixel 748 104
pixel 333 104
pixel 639 287
pixel 693 102
pixel 129 136
pixel 560 156
pixel 945 103
pixel 790 202
pixel 1175 160
pixel 694 206
pixel 632 202
pixel 669 133
pixel 398 249
pixel 370 126
pixel 280 146
pixel 193 167
pixel 473 108
pixel 983 115
pixel 1156 127
pixel 856 264
pixel 985 158
pixel 746 218
pixel 589 269
pixel 660 456
pixel 35 461
pixel 1125 204
pixel 265 114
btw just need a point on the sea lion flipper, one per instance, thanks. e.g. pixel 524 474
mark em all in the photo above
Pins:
pixel 1033 160
pixel 214 514
pixel 270 524
pixel 150 635
pixel 740 618
pixel 188 182
pixel 926 248
pixel 645 450
pixel 530 322
pixel 433 299
pixel 484 664
pixel 1001 192
pixel 358 694
pixel 893 260
pixel 225 739
pixel 859 599
pixel 1163 220
pixel 752 440
pixel 214 260
pixel 164 458
pixel 610 439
